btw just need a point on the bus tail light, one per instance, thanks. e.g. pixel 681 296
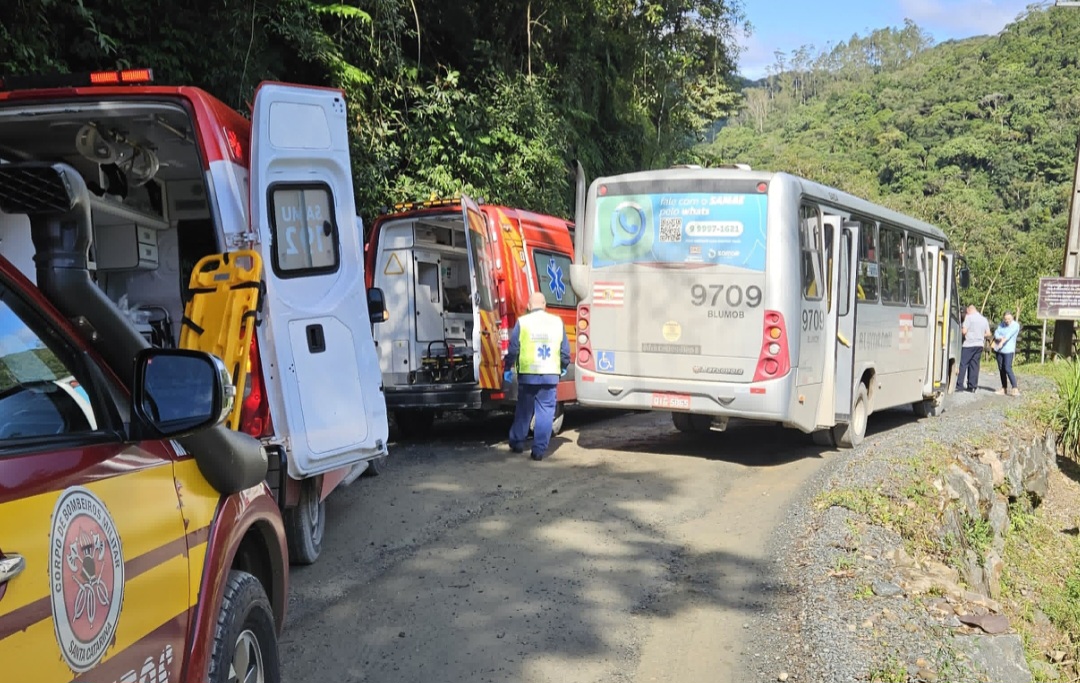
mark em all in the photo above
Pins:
pixel 584 347
pixel 255 411
pixel 774 360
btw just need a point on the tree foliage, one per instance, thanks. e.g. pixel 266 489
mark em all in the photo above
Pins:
pixel 978 137
pixel 491 97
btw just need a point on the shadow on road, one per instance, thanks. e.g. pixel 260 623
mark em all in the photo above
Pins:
pixel 470 563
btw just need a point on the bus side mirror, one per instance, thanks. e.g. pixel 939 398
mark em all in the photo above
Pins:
pixel 376 303
pixel 579 280
pixel 965 278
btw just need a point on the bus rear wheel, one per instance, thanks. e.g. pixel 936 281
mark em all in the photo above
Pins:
pixel 692 424
pixel 851 434
pixel 931 407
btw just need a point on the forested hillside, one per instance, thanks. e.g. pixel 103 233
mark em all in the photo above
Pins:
pixel 493 97
pixel 978 137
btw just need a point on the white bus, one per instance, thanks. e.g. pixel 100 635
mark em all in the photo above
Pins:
pixel 721 293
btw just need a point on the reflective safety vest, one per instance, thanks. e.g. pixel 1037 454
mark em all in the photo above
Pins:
pixel 540 340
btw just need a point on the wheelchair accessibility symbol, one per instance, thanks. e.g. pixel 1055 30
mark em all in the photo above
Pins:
pixel 605 361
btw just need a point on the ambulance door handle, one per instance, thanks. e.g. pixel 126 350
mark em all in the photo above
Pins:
pixel 10 567
pixel 316 341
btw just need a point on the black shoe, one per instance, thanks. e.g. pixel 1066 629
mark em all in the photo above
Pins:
pixel 517 449
pixel 537 457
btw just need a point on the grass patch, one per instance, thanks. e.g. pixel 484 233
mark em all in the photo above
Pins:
pixel 907 505
pixel 1042 580
pixel 892 670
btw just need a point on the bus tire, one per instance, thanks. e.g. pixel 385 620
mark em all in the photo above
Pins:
pixel 305 524
pixel 851 434
pixel 692 424
pixel 928 407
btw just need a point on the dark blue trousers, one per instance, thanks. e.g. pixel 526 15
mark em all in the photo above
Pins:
pixel 970 356
pixel 538 399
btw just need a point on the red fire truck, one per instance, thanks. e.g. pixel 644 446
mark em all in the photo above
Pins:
pixel 176 177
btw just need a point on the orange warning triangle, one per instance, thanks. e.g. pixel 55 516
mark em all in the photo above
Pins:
pixel 393 265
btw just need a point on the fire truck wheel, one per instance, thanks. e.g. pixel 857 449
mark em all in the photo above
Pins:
pixel 245 638
pixel 305 523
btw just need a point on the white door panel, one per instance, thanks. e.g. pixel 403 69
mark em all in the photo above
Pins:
pixel 323 382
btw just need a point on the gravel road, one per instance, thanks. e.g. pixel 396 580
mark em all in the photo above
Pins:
pixel 634 553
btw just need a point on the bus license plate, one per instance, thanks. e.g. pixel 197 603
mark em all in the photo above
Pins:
pixel 671 401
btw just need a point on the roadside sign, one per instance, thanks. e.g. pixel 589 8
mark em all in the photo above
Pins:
pixel 1059 298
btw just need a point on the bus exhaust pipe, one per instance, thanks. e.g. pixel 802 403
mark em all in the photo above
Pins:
pixel 719 424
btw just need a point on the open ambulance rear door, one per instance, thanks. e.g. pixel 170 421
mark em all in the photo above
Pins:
pixel 322 372
pixel 487 367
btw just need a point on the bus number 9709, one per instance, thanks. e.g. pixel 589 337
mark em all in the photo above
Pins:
pixel 719 295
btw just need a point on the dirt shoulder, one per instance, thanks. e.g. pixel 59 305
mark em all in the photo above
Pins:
pixel 889 582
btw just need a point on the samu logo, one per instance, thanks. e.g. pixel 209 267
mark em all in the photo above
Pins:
pixel 628 224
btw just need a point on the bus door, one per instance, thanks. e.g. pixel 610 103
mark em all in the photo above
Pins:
pixel 943 263
pixel 830 242
pixel 847 259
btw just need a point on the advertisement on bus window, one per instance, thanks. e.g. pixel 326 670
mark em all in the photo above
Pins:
pixel 683 228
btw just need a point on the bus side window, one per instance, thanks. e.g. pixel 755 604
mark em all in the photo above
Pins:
pixel 868 265
pixel 893 272
pixel 916 272
pixel 810 252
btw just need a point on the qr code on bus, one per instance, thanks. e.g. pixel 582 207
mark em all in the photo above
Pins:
pixel 671 230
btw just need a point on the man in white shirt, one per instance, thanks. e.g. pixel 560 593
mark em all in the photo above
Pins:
pixel 976 331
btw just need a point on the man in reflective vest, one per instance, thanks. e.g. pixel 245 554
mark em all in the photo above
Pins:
pixel 540 352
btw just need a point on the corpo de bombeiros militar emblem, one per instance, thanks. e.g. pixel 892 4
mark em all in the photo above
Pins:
pixel 86 577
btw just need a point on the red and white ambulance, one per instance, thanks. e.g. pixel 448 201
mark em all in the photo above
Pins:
pixel 176 175
pixel 456 274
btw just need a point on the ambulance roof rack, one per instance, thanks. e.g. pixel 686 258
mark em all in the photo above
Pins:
pixel 78 80
pixel 432 202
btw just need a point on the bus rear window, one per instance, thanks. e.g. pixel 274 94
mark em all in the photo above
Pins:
pixel 695 227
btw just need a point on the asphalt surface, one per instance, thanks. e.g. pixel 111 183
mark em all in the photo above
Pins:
pixel 633 553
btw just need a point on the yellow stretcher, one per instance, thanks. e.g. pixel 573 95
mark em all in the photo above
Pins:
pixel 225 297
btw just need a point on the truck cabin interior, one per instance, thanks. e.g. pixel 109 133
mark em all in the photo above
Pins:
pixel 424 273
pixel 149 202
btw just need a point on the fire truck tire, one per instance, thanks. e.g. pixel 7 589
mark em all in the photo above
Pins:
pixel 245 644
pixel 305 524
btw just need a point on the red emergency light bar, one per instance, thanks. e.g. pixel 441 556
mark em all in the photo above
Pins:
pixel 79 80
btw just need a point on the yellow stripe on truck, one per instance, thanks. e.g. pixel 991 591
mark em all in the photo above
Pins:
pixel 135 503
pixel 199 503
pixel 34 655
